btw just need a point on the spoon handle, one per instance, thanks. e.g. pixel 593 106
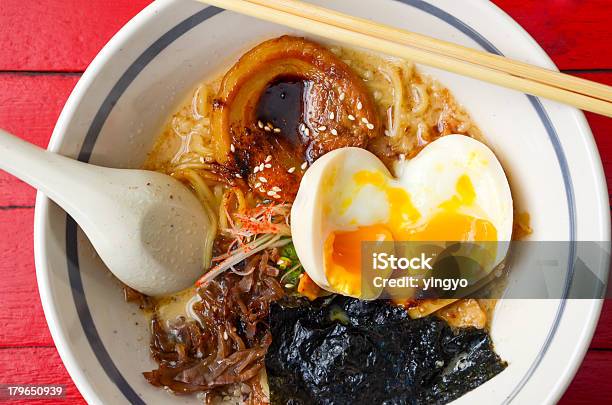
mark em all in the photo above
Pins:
pixel 65 181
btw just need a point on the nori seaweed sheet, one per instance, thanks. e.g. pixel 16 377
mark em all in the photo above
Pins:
pixel 345 351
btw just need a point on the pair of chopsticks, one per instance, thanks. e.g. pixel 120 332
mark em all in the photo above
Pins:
pixel 584 94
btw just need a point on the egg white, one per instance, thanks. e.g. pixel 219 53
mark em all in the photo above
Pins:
pixel 329 199
pixel 431 177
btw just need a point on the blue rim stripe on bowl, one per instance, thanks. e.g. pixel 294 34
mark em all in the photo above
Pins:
pixel 567 179
pixel 74 274
pixel 154 50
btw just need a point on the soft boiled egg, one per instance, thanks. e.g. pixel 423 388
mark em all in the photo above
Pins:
pixel 454 190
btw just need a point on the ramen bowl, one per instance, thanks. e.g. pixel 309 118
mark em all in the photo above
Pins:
pixel 119 106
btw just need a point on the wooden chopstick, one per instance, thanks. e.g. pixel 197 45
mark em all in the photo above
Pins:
pixel 283 12
pixel 486 59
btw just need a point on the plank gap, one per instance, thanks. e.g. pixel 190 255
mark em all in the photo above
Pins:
pixel 27 347
pixel 42 72
pixel 581 71
pixel 600 349
pixel 16 207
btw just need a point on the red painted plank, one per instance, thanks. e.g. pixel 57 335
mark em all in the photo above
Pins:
pixel 59 35
pixel 22 322
pixel 41 365
pixel 603 334
pixel 575 33
pixel 602 128
pixel 29 108
pixel 602 131
pixel 592 382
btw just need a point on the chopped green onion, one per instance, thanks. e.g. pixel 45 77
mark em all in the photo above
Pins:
pixel 289 252
pixel 284 263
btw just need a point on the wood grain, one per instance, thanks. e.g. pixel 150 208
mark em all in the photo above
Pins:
pixel 575 33
pixel 29 107
pixel 22 322
pixel 602 339
pixel 37 365
pixel 602 128
pixel 59 35
pixel 592 382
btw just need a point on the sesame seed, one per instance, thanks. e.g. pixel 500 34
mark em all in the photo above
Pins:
pixel 370 126
pixel 342 95
pixel 257 185
pixel 263 179
pixel 267 129
pixel 364 120
pixel 225 335
pixel 351 117
pixel 238 175
pixel 276 188
pixel 260 124
pixel 307 132
pixel 289 286
pixel 276 196
pixel 304 165
pixel 256 169
pixel 232 148
pixel 261 167
pixel 359 105
pixel 332 115
pixel 271 193
pixel 269 125
pixel 277 130
pixel 268 165
pixel 262 190
pixel 334 132
pixel 268 158
pixel 322 128
pixel 291 170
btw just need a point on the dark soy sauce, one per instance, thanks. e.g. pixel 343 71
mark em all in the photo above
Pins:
pixel 282 104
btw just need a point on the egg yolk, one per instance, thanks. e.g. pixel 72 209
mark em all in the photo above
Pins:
pixel 450 224
pixel 342 249
pixel 342 252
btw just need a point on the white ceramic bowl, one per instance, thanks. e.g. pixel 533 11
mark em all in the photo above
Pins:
pixel 118 107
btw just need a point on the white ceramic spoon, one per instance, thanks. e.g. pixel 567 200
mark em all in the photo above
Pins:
pixel 147 227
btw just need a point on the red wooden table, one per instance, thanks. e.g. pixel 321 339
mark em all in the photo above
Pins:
pixel 45 45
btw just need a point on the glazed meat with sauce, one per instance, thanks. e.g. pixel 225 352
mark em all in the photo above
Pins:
pixel 285 103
